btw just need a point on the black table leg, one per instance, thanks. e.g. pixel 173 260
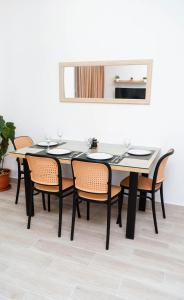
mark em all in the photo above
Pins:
pixel 28 188
pixel 142 199
pixel 132 199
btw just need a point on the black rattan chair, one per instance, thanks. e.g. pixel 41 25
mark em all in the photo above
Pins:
pixel 18 143
pixel 92 182
pixel 46 177
pixel 151 186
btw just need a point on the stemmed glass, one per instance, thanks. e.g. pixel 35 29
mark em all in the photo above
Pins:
pixel 127 144
pixel 88 143
pixel 60 134
pixel 48 140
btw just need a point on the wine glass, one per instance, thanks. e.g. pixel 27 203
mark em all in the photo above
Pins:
pixel 48 140
pixel 60 134
pixel 127 144
pixel 88 142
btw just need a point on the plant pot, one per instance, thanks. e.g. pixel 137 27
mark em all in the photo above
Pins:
pixel 4 179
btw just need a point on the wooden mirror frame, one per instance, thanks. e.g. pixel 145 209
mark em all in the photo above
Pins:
pixel 147 62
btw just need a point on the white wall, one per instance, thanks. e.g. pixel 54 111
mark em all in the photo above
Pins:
pixel 36 35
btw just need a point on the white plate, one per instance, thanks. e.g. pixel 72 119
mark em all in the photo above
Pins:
pixel 99 156
pixel 139 152
pixel 45 144
pixel 28 150
pixel 59 151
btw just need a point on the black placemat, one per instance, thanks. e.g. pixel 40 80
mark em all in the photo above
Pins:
pixel 65 156
pixel 114 159
pixel 84 156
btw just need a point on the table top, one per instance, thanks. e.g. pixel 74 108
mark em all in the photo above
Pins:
pixel 128 163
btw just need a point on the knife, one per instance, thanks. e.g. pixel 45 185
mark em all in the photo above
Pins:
pixel 120 157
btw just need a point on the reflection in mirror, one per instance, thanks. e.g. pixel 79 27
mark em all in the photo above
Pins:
pixel 69 82
pixel 84 82
pixel 118 83
pixel 125 82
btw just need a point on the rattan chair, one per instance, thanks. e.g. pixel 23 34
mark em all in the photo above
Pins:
pixel 46 177
pixel 18 143
pixel 151 186
pixel 92 181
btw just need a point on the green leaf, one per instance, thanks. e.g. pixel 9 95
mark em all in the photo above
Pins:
pixel 7 132
pixel 2 122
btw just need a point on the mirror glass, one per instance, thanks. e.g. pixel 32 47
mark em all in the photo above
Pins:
pixel 106 83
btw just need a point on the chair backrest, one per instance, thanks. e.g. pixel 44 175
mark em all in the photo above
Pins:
pixel 22 141
pixel 159 173
pixel 44 169
pixel 93 177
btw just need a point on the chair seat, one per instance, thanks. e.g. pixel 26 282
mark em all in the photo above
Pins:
pixel 66 184
pixel 115 190
pixel 144 183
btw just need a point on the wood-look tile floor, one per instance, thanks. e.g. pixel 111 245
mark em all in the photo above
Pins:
pixel 36 265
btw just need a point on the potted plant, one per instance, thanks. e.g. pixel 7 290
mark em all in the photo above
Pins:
pixel 7 133
pixel 117 78
pixel 144 79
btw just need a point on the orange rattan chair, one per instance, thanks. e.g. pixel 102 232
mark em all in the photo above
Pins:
pixel 18 143
pixel 92 181
pixel 151 186
pixel 46 177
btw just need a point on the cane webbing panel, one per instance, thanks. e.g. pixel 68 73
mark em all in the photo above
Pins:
pixel 162 167
pixel 22 142
pixel 115 190
pixel 66 184
pixel 144 183
pixel 90 177
pixel 44 170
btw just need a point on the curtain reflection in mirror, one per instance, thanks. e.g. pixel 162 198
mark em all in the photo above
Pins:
pixel 89 82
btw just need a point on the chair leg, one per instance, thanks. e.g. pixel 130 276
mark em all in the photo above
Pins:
pixel 78 209
pixel 108 225
pixel 162 201
pixel 30 212
pixel 60 215
pixel 73 216
pixel 120 204
pixel 88 210
pixel 18 187
pixel 154 212
pixel 43 201
pixel 49 202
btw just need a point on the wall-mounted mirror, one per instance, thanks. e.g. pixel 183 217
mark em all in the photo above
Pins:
pixel 127 81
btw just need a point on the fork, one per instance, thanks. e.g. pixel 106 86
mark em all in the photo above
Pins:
pixel 120 157
pixel 72 154
pixel 75 154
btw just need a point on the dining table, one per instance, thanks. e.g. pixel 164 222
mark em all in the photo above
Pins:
pixel 121 161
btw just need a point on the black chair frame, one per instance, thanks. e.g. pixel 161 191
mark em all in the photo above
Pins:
pixel 21 177
pixel 61 194
pixel 109 202
pixel 155 188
